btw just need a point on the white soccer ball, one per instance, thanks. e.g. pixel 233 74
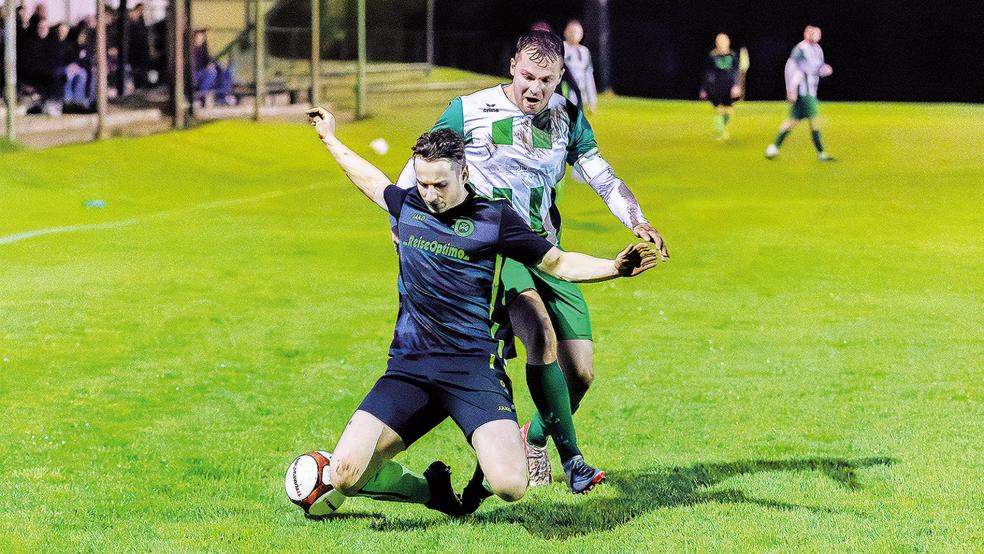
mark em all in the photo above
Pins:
pixel 379 146
pixel 308 484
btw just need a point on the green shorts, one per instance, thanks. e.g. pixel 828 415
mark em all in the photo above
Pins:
pixel 565 304
pixel 805 107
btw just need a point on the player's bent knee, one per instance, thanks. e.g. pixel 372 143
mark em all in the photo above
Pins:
pixel 586 376
pixel 510 489
pixel 533 327
pixel 542 347
pixel 345 477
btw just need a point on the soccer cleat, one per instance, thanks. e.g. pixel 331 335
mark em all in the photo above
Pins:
pixel 475 493
pixel 537 461
pixel 825 157
pixel 772 151
pixel 443 498
pixel 580 476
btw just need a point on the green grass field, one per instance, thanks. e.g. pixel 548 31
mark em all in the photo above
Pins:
pixel 805 374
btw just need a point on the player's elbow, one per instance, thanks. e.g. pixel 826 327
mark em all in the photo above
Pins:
pixel 555 270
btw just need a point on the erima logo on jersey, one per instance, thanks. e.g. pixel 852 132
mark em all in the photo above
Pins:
pixel 490 108
pixel 435 247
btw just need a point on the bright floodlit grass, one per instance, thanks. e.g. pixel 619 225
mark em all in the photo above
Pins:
pixel 805 374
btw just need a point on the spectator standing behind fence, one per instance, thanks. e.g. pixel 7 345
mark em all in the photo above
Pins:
pixel 211 80
pixel 577 60
pixel 43 60
pixel 139 47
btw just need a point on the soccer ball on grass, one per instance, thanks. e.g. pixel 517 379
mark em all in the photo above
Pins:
pixel 308 484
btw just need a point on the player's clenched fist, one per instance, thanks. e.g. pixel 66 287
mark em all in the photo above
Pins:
pixel 323 122
pixel 636 258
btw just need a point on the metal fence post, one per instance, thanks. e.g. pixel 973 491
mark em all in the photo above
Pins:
pixel 10 67
pixel 360 78
pixel 430 33
pixel 102 67
pixel 315 51
pixel 180 61
pixel 258 61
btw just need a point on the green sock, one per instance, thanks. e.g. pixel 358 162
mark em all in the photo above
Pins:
pixel 537 433
pixel 781 137
pixel 720 120
pixel 548 387
pixel 396 483
pixel 816 141
pixel 727 118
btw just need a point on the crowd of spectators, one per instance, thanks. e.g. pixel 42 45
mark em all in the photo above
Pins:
pixel 55 60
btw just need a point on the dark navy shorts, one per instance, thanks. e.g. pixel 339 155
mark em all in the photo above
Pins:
pixel 416 394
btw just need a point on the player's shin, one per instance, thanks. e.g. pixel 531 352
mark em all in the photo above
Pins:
pixel 396 483
pixel 548 387
pixel 783 133
pixel 817 143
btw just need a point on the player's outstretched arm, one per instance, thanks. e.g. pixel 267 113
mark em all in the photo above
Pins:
pixel 582 268
pixel 598 173
pixel 370 180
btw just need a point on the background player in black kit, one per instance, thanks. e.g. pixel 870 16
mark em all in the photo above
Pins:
pixel 720 84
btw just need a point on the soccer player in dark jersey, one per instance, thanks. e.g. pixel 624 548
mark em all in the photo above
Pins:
pixel 444 360
pixel 720 83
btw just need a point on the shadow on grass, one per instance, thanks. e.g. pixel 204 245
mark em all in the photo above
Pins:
pixel 638 492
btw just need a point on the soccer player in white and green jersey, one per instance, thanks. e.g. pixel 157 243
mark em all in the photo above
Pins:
pixel 804 69
pixel 520 137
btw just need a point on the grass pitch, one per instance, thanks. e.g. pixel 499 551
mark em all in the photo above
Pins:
pixel 805 374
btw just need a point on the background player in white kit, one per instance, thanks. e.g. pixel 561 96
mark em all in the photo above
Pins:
pixel 804 69
pixel 577 61
pixel 519 140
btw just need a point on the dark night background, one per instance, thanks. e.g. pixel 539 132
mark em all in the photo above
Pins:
pixel 880 50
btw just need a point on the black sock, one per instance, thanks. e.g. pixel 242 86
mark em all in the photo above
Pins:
pixel 816 141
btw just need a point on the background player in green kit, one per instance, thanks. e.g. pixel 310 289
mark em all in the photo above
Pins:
pixel 520 138
pixel 804 69
pixel 720 83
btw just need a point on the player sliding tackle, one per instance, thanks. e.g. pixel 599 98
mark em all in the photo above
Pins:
pixel 519 139
pixel 444 360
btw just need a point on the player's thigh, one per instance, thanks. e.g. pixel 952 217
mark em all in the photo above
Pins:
pixel 531 324
pixel 576 359
pixel 565 306
pixel 365 444
pixel 500 453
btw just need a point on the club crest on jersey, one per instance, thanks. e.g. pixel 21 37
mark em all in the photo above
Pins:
pixel 463 227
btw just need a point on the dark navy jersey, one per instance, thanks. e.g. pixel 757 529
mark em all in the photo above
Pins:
pixel 449 271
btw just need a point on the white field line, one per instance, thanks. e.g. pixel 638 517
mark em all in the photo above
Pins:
pixel 8 239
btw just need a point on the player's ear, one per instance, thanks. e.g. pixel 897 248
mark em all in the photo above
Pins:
pixel 512 66
pixel 464 173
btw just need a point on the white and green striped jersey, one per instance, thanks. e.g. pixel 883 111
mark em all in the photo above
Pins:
pixel 523 157
pixel 803 69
